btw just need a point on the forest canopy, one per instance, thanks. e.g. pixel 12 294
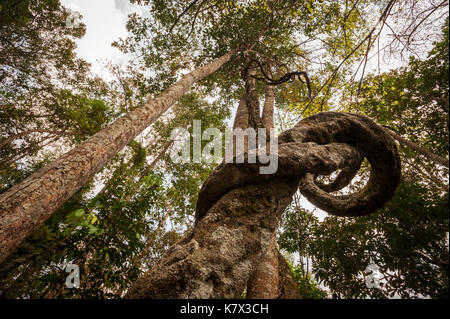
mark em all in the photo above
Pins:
pixel 357 93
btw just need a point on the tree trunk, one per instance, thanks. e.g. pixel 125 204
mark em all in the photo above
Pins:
pixel 267 116
pixel 241 117
pixel 30 203
pixel 251 94
pixel 268 281
pixel 217 258
pixel 240 122
pixel 264 283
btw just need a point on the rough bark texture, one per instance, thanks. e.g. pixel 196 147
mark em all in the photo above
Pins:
pixel 238 209
pixel 241 121
pixel 264 282
pixel 269 100
pixel 241 118
pixel 217 258
pixel 252 99
pixel 267 114
pixel 270 278
pixel 30 203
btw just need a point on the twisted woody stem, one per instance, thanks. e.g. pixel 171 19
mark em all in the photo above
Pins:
pixel 289 76
pixel 238 209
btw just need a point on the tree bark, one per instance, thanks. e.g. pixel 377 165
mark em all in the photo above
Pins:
pixel 267 281
pixel 264 283
pixel 241 122
pixel 252 99
pixel 30 203
pixel 217 258
pixel 241 117
pixel 267 116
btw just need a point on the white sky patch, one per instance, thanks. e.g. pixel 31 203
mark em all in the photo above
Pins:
pixel 105 22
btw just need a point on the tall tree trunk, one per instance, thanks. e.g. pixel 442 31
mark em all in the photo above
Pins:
pixel 217 258
pixel 238 209
pixel 264 283
pixel 269 101
pixel 267 115
pixel 240 122
pixel 252 99
pixel 241 117
pixel 30 203
pixel 270 278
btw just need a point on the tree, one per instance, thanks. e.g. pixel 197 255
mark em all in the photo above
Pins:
pixel 209 262
pixel 73 173
pixel 235 199
pixel 29 203
pixel 120 231
pixel 71 114
pixel 47 94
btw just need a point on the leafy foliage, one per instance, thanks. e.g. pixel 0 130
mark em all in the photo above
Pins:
pixel 297 233
pixel 307 286
pixel 412 100
pixel 407 240
pixel 140 204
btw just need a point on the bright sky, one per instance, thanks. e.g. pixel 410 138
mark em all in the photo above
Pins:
pixel 105 22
